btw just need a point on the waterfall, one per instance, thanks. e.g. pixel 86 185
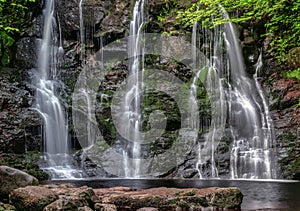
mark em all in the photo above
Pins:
pixel 237 112
pixel 238 102
pixel 81 26
pixel 131 115
pixel 86 92
pixel 213 126
pixel 252 147
pixel 55 128
pixel 56 158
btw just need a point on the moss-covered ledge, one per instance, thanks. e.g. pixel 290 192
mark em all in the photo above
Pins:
pixel 69 197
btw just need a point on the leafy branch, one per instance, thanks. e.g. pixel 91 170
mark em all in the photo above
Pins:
pixel 13 13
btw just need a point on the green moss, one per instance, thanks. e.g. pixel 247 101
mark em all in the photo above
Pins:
pixel 178 193
pixel 190 192
pixel 25 162
pixel 5 207
pixel 294 74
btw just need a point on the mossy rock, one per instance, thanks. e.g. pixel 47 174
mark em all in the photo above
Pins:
pixel 5 207
pixel 32 198
pixel 24 162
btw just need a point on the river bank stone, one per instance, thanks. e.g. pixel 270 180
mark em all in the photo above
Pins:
pixel 171 198
pixel 32 198
pixel 68 197
pixel 11 178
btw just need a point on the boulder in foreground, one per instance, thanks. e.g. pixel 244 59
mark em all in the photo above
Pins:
pixel 11 178
pixel 33 198
pixel 66 197
pixel 171 198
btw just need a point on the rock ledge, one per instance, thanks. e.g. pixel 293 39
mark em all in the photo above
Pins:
pixel 68 197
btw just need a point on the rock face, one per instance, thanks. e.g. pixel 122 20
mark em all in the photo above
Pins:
pixel 11 179
pixel 65 197
pixel 19 125
pixel 286 117
pixel 17 122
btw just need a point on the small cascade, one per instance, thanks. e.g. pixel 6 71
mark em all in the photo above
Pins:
pixel 252 146
pixel 81 25
pixel 131 111
pixel 239 111
pixel 55 128
pixel 193 102
pixel 212 126
pixel 86 92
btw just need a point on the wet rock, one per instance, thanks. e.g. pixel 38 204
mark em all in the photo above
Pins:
pixel 287 124
pixel 70 203
pixel 72 197
pixel 32 198
pixel 147 209
pixel 284 97
pixel 11 178
pixel 35 29
pixel 68 14
pixel 172 198
pixel 93 12
pixel 71 55
pixel 105 207
pixel 115 25
pixel 66 197
pixel 19 125
pixel 85 208
pixel 26 52
pixel 111 28
pixel 287 92
pixel 24 162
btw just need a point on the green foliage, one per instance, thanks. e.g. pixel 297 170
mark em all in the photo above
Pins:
pixel 294 74
pixel 13 14
pixel 169 13
pixel 24 162
pixel 280 18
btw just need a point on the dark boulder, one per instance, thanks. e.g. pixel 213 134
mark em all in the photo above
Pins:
pixel 11 178
pixel 26 52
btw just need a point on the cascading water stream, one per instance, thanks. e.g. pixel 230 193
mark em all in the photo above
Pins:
pixel 86 93
pixel 238 108
pixel 238 102
pixel 131 118
pixel 55 128
pixel 251 152
pixel 213 126
pixel 193 102
pixel 81 26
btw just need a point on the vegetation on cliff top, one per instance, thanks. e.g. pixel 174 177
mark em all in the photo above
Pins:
pixel 13 14
pixel 279 18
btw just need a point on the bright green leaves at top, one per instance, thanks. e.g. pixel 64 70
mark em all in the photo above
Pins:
pixel 13 14
pixel 209 12
pixel 281 20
